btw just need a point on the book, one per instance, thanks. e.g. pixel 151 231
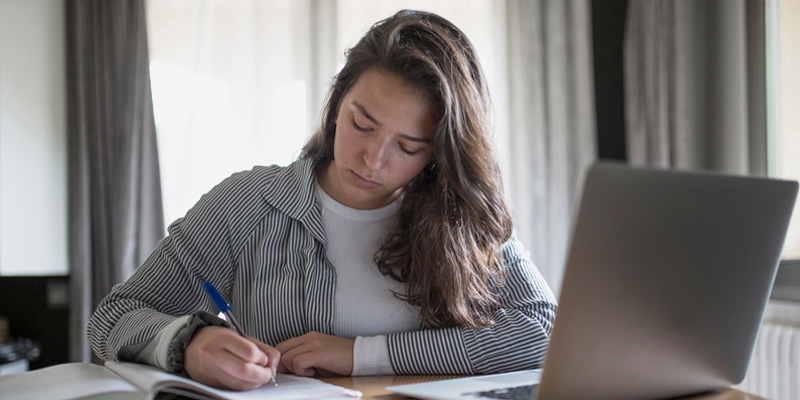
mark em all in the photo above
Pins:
pixel 131 381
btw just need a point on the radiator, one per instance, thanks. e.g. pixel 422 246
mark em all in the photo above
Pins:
pixel 774 371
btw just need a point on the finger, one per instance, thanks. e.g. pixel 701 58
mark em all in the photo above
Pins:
pixel 242 363
pixel 302 360
pixel 208 359
pixel 284 347
pixel 229 371
pixel 304 364
pixel 245 376
pixel 272 354
pixel 289 344
pixel 273 358
pixel 245 349
pixel 288 358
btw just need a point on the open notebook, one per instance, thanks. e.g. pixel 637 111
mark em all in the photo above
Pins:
pixel 129 381
pixel 666 282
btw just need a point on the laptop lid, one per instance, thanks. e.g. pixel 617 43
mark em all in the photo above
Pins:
pixel 666 282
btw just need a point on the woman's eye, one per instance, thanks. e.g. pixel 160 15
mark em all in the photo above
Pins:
pixel 360 128
pixel 407 151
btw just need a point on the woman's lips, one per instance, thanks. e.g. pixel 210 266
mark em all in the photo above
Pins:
pixel 363 182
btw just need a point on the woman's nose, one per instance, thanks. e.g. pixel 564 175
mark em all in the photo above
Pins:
pixel 376 153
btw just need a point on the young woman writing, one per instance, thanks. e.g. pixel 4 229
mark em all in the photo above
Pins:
pixel 387 248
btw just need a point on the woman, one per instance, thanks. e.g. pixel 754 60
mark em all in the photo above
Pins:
pixel 387 248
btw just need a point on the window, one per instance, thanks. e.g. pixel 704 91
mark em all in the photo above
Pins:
pixel 783 94
pixel 230 90
pixel 238 84
pixel 33 139
pixel 783 56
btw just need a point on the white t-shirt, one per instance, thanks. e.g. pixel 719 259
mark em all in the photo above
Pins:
pixel 365 307
pixel 364 304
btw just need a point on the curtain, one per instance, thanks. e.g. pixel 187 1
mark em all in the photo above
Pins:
pixel 115 216
pixel 236 84
pixel 695 85
pixel 551 123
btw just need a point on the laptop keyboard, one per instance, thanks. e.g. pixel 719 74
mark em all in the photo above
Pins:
pixel 514 393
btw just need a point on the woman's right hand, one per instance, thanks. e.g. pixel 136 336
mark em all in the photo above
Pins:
pixel 219 357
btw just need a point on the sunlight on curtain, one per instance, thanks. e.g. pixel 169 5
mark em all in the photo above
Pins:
pixel 785 20
pixel 231 82
pixel 552 123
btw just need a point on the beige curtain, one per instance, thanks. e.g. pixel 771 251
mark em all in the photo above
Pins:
pixel 115 216
pixel 695 85
pixel 552 123
pixel 236 84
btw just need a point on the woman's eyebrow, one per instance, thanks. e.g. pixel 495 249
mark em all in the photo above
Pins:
pixel 415 139
pixel 366 113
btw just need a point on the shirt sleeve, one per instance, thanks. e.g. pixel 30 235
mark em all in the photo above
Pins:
pixel 371 356
pixel 156 352
pixel 517 340
pixel 202 246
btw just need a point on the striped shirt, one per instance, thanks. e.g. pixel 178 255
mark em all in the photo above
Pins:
pixel 258 237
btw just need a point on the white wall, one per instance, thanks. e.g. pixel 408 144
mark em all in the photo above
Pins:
pixel 33 169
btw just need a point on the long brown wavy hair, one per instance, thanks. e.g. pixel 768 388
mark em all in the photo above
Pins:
pixel 453 217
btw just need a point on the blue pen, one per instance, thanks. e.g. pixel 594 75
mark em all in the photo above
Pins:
pixel 224 308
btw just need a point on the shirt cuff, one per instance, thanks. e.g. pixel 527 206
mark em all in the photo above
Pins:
pixel 371 356
pixel 156 353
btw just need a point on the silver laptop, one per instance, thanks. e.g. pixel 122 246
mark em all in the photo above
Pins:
pixel 665 286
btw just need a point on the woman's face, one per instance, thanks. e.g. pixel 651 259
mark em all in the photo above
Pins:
pixel 384 133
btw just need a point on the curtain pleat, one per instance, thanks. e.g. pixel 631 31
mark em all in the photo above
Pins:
pixel 115 213
pixel 552 123
pixel 695 85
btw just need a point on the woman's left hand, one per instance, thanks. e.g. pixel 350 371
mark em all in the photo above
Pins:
pixel 316 353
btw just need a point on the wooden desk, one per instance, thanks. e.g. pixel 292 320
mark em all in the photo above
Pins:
pixel 374 387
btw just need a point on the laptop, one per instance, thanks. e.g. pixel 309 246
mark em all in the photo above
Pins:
pixel 665 285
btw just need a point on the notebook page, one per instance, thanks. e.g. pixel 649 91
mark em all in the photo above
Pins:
pixel 290 387
pixel 64 382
